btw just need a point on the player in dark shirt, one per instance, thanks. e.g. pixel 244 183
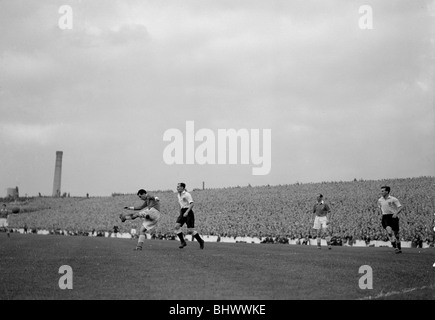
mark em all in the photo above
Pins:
pixel 149 211
pixel 321 211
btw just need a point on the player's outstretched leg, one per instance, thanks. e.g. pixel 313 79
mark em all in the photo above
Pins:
pixel 128 216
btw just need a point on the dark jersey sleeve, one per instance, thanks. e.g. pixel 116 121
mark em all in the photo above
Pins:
pixel 144 205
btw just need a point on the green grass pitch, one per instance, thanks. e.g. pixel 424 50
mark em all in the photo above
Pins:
pixel 108 268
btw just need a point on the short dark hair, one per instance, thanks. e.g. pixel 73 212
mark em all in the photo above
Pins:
pixel 320 195
pixel 182 184
pixel 141 192
pixel 387 188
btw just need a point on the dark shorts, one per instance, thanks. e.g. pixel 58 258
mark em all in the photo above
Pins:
pixel 189 220
pixel 389 221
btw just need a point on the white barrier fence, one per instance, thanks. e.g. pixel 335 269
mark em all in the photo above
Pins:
pixel 254 240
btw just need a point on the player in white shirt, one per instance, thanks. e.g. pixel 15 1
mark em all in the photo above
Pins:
pixel 186 216
pixel 390 208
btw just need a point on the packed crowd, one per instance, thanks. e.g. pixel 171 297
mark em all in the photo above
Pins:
pixel 267 212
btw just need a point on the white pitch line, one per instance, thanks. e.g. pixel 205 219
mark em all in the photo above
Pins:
pixel 393 293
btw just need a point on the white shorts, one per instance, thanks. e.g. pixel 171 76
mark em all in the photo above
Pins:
pixel 154 217
pixel 4 223
pixel 320 222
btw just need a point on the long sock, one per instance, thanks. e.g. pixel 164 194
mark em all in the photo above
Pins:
pixel 319 241
pixel 197 237
pixel 180 235
pixel 141 240
pixel 399 245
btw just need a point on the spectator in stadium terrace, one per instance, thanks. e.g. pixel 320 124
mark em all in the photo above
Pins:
pixel 149 211
pixel 4 214
pixel 390 207
pixel 321 211
pixel 186 216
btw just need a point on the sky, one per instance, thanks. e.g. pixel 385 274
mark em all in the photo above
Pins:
pixel 136 93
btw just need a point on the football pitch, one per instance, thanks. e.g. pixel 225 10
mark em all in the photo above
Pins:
pixel 108 268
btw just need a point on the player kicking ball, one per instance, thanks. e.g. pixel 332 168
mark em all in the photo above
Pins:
pixel 149 211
